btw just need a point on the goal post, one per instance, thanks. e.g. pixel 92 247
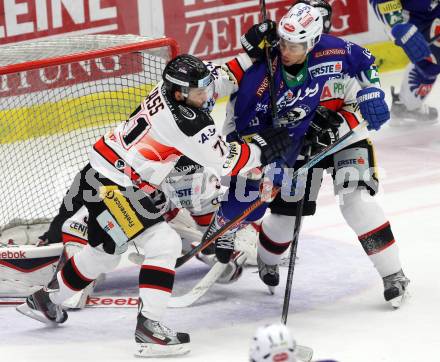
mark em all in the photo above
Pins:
pixel 57 97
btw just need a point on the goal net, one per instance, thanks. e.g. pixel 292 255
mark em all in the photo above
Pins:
pixel 57 98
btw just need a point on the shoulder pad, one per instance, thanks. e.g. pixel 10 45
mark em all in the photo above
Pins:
pixel 191 120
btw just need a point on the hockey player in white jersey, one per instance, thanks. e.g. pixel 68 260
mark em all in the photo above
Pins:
pixel 355 182
pixel 129 163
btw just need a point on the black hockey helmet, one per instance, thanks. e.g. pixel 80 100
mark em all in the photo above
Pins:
pixel 184 72
pixel 326 11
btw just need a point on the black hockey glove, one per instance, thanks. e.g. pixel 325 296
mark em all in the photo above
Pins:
pixel 274 143
pixel 233 137
pixel 323 130
pixel 253 41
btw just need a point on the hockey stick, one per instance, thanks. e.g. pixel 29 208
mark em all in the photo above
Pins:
pixel 199 289
pixel 294 247
pixel 269 68
pixel 267 193
pixel 80 301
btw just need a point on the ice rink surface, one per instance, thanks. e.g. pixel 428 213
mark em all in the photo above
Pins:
pixel 337 307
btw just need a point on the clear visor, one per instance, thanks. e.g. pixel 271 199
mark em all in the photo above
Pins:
pixel 200 96
pixel 293 48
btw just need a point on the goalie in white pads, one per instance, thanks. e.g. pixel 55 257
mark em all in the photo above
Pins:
pixel 188 199
pixel 126 166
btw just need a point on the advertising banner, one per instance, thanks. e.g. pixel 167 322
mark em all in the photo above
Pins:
pixel 31 19
pixel 211 29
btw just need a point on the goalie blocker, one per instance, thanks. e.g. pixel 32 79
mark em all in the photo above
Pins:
pixel 26 268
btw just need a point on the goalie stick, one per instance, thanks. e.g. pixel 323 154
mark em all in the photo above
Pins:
pixel 199 289
pixel 268 193
pixel 92 301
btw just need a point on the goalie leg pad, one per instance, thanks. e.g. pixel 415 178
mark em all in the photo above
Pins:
pixel 26 268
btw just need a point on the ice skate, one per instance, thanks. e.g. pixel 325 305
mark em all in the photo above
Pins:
pixel 269 274
pixel 401 116
pixel 153 339
pixel 224 247
pixel 395 286
pixel 39 306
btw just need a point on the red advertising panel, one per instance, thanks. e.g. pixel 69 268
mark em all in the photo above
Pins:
pixel 212 28
pixel 29 19
pixel 71 73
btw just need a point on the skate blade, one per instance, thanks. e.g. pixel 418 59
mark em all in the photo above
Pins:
pixel 31 313
pixel 147 350
pixel 271 289
pixel 397 302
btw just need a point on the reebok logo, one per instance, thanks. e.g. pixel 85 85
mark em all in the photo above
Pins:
pixel 111 302
pixel 12 255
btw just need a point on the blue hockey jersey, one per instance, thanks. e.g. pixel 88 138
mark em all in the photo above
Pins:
pixel 298 98
pixel 418 12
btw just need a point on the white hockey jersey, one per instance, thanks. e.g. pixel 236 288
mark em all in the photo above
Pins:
pixel 144 149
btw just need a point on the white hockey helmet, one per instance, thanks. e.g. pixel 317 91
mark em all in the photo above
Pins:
pixel 302 24
pixel 272 343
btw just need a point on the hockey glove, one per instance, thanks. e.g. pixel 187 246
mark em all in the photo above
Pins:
pixel 274 144
pixel 373 107
pixel 323 130
pixel 255 39
pixel 411 40
pixel 233 137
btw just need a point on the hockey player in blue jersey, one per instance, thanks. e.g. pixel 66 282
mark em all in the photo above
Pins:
pixel 355 181
pixel 414 25
pixel 303 62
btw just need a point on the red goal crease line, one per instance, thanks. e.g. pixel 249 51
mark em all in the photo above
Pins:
pixel 92 302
